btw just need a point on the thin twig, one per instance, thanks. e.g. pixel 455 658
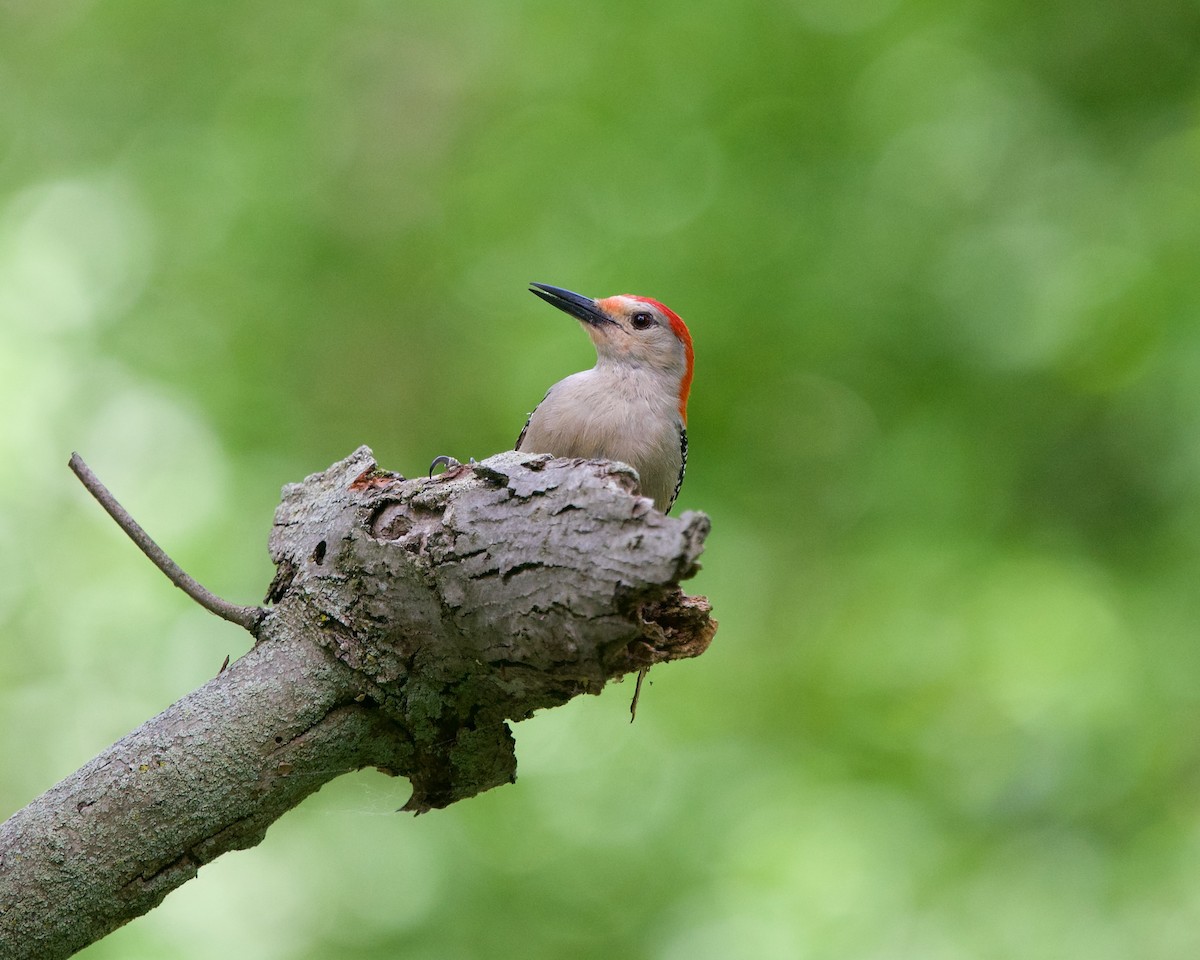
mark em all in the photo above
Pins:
pixel 637 693
pixel 245 617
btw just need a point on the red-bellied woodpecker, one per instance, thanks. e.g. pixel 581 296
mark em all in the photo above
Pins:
pixel 632 405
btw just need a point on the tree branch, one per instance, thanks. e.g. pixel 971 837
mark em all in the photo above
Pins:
pixel 411 620
pixel 246 617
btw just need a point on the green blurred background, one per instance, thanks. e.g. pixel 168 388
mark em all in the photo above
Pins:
pixel 941 266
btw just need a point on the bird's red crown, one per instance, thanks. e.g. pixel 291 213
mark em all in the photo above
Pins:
pixel 679 328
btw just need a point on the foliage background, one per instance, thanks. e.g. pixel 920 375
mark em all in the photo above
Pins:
pixel 940 262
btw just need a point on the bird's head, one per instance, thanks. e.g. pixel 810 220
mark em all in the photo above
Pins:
pixel 631 330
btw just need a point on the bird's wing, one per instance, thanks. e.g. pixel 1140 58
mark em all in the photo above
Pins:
pixel 521 438
pixel 524 429
pixel 682 467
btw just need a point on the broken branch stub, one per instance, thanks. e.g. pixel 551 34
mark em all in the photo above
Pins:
pixel 411 620
pixel 493 590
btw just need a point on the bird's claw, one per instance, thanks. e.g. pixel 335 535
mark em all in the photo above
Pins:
pixel 449 463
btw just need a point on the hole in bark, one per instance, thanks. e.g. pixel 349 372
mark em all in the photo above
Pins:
pixel 282 582
pixel 389 522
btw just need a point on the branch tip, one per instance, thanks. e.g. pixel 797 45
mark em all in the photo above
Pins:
pixel 248 618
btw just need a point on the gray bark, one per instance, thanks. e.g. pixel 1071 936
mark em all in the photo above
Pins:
pixel 411 619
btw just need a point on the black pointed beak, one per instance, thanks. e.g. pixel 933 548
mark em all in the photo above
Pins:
pixel 575 304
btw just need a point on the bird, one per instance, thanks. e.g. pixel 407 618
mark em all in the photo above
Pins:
pixel 632 405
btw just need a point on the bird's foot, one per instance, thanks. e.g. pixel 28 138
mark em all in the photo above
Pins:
pixel 450 464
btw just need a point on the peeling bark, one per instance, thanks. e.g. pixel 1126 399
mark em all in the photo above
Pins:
pixel 411 620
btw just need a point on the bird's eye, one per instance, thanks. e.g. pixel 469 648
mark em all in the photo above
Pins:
pixel 641 321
